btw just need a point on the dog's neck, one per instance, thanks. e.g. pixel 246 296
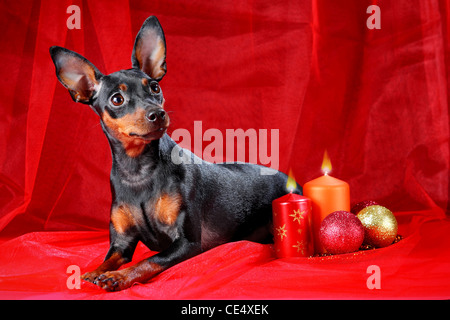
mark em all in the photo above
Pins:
pixel 139 170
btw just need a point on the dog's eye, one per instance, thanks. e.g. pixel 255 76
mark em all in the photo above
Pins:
pixel 117 99
pixel 154 86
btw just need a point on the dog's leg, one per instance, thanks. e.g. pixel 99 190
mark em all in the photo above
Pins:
pixel 120 252
pixel 178 251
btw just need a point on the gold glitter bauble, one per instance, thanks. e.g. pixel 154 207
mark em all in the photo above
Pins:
pixel 380 226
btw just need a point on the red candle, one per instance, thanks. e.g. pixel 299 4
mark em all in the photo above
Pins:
pixel 327 194
pixel 292 228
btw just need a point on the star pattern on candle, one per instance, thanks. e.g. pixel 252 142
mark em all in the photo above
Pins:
pixel 298 215
pixel 282 231
pixel 300 247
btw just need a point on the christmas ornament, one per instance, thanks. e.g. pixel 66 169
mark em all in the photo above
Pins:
pixel 369 247
pixel 361 205
pixel 341 232
pixel 380 225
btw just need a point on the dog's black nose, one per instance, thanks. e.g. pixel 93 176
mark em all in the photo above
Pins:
pixel 154 115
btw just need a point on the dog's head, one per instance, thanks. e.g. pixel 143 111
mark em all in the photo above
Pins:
pixel 129 102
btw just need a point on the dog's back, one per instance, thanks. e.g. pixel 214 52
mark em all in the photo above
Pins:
pixel 234 200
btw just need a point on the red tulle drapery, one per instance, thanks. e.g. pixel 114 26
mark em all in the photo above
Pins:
pixel 375 99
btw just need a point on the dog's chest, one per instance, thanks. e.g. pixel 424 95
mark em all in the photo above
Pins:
pixel 154 220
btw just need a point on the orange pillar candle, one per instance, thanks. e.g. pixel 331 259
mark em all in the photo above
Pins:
pixel 327 195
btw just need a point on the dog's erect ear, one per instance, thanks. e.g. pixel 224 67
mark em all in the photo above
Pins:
pixel 149 52
pixel 76 73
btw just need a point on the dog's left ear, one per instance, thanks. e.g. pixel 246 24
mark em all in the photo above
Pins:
pixel 149 52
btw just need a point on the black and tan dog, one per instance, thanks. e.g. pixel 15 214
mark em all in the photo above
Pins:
pixel 179 210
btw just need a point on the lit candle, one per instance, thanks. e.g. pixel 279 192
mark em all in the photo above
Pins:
pixel 327 194
pixel 292 224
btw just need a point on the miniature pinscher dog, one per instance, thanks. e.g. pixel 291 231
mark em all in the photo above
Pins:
pixel 179 210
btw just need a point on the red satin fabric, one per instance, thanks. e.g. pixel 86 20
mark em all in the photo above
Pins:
pixel 377 100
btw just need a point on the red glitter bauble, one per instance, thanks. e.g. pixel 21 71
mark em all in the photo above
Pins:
pixel 361 205
pixel 341 232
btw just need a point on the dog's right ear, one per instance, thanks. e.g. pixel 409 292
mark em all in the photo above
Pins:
pixel 76 73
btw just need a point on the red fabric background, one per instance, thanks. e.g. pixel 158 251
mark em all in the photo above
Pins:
pixel 377 100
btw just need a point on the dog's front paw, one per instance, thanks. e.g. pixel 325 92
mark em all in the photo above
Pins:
pixel 113 281
pixel 91 276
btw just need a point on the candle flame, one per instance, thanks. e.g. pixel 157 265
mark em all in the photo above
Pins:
pixel 291 184
pixel 326 163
